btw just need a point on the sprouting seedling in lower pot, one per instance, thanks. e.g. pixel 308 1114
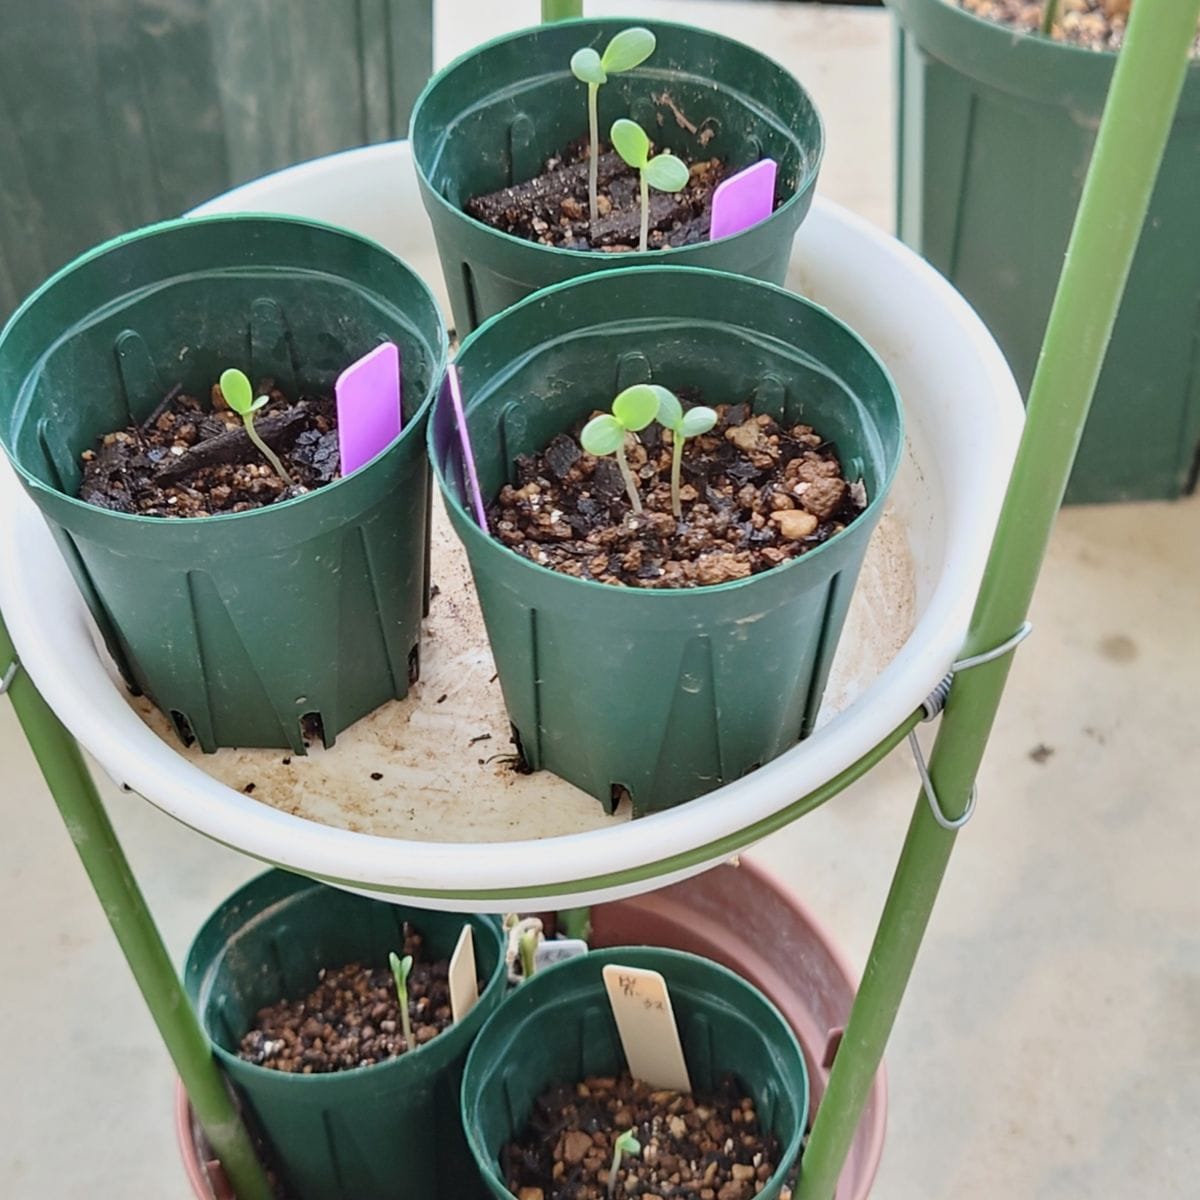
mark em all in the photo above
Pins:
pixel 626 50
pixel 239 395
pixel 400 971
pixel 627 1143
pixel 682 425
pixel 664 172
pixel 632 411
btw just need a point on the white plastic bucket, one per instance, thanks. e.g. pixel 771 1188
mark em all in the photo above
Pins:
pixel 481 834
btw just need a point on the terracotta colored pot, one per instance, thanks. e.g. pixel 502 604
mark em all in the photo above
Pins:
pixel 779 947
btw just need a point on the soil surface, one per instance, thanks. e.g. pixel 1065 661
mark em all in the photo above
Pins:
pixel 194 459
pixel 351 1018
pixel 698 1147
pixel 754 495
pixel 1093 24
pixel 553 207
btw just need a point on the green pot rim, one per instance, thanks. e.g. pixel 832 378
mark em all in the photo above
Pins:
pixel 669 254
pixel 998 50
pixel 167 227
pixel 435 1048
pixel 634 956
pixel 465 521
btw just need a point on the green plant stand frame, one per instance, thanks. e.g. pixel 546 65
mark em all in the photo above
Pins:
pixel 1133 132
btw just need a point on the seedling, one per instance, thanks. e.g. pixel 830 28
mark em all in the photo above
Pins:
pixel 400 969
pixel 632 410
pixel 527 947
pixel 628 49
pixel 664 172
pixel 1049 16
pixel 627 1143
pixel 523 937
pixel 682 425
pixel 239 395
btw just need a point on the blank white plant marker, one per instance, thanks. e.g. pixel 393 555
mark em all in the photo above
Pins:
pixel 464 980
pixel 641 1006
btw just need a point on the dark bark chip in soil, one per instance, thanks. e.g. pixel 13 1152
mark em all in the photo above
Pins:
pixel 553 207
pixel 352 1017
pixel 195 459
pixel 698 1147
pixel 755 495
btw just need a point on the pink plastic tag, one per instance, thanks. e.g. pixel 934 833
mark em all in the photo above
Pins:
pixel 744 199
pixel 464 438
pixel 368 406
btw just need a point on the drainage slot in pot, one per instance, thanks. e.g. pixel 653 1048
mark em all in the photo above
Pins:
pixel 618 794
pixel 183 727
pixel 522 765
pixel 414 664
pixel 312 728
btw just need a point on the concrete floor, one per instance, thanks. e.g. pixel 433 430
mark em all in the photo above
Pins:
pixel 1049 1045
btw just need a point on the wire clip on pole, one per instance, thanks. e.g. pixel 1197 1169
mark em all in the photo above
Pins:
pixel 935 805
pixel 934 703
pixel 936 700
pixel 10 673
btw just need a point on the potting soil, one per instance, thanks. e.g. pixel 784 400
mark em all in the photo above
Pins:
pixel 755 495
pixel 352 1017
pixel 708 1147
pixel 1093 24
pixel 192 459
pixel 552 208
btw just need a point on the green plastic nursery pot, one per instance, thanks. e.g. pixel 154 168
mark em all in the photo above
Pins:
pixel 492 118
pixel 996 131
pixel 668 693
pixel 247 627
pixel 390 1131
pixel 558 1028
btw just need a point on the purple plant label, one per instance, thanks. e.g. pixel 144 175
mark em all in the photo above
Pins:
pixel 368 406
pixel 468 455
pixel 744 199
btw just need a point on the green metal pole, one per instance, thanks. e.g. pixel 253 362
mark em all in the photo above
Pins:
pixel 1133 132
pixel 561 10
pixel 71 785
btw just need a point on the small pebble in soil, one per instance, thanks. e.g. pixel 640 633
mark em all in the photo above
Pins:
pixel 352 1017
pixel 703 1147
pixel 755 495
pixel 377 775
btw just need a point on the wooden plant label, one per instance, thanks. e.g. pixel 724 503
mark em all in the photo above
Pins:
pixel 464 981
pixel 645 1020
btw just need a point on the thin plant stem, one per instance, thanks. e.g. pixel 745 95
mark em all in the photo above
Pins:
pixel 613 1170
pixel 630 483
pixel 643 241
pixel 1049 16
pixel 594 159
pixel 265 450
pixel 527 947
pixel 561 10
pixel 406 1023
pixel 676 463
